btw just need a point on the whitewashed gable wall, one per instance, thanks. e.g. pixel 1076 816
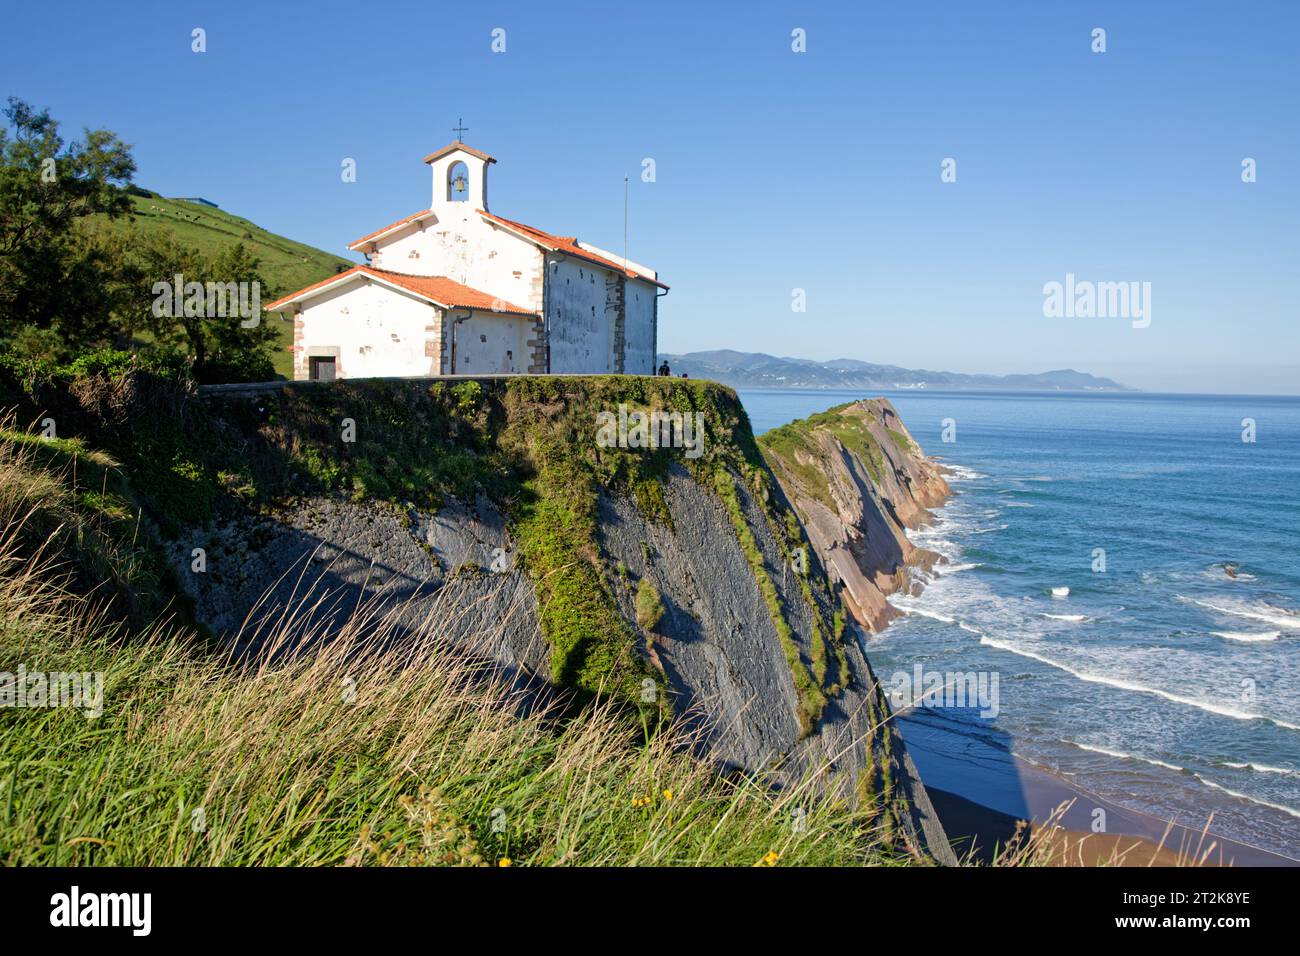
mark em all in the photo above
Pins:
pixel 373 331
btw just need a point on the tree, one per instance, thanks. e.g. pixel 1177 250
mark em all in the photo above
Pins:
pixel 48 272
pixel 67 288
pixel 214 317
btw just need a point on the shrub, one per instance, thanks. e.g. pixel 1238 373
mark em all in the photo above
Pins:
pixel 649 605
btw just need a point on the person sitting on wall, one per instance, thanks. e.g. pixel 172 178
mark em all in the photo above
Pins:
pixel 663 368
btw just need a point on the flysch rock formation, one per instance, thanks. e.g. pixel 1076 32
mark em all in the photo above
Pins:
pixel 717 643
pixel 722 656
pixel 859 481
pixel 322 558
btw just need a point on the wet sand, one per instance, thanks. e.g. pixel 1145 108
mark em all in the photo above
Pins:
pixel 1132 838
pixel 985 789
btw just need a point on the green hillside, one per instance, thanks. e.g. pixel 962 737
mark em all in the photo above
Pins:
pixel 286 265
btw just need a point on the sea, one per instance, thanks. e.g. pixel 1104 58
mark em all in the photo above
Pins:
pixel 1159 681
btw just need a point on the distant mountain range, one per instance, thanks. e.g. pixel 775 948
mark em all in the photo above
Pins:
pixel 756 370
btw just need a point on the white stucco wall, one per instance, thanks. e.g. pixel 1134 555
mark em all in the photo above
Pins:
pixel 639 328
pixel 581 327
pixel 374 331
pixel 459 244
pixel 488 343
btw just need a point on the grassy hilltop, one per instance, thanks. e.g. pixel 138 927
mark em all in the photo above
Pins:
pixel 286 265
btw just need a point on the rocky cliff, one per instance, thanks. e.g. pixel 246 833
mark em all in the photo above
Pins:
pixel 858 481
pixel 676 579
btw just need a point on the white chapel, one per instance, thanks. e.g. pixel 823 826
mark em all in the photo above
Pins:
pixel 457 290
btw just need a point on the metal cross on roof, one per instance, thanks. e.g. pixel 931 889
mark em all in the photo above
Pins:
pixel 459 130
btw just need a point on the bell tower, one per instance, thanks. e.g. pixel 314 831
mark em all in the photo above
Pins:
pixel 459 178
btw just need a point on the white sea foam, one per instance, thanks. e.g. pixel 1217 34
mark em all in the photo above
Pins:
pixel 1263 768
pixel 1121 755
pixel 1260 611
pixel 1122 684
pixel 1248 637
pixel 1067 617
pixel 941 546
pixel 944 569
pixel 934 539
pixel 935 615
pixel 1218 573
pixel 962 473
pixel 1249 799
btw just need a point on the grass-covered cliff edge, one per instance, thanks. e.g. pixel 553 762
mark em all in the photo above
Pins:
pixel 485 517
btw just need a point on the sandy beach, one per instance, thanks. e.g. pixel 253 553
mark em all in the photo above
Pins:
pixel 1131 838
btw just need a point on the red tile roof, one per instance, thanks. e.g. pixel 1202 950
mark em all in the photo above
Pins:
pixel 441 291
pixel 454 146
pixel 568 245
pixel 547 240
pixel 401 222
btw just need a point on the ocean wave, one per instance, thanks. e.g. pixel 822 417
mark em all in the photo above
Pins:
pixel 936 541
pixel 962 473
pixel 1277 616
pixel 1248 637
pixel 1121 755
pixel 945 569
pixel 941 547
pixel 1067 617
pixel 1121 684
pixel 934 615
pixel 1217 572
pixel 1263 768
pixel 1247 797
pixel 1000 527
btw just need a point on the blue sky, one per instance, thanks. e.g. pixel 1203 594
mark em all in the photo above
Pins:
pixel 774 170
